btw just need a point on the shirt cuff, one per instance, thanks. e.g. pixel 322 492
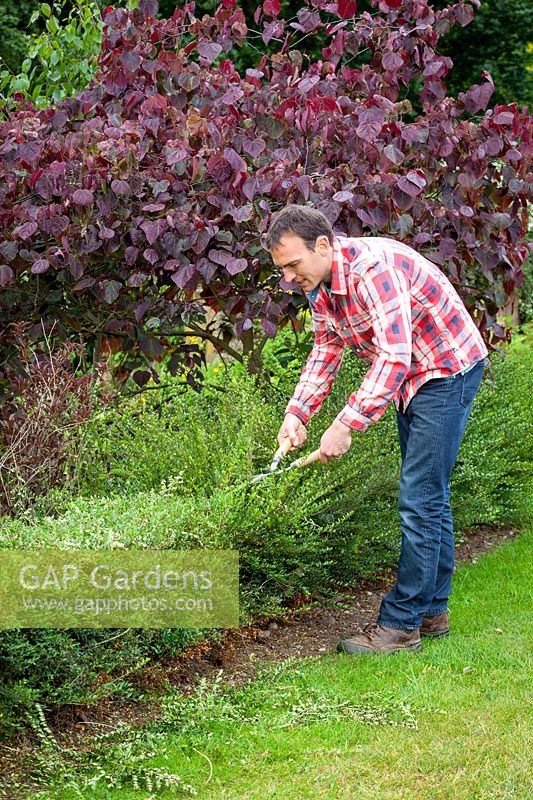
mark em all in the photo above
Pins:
pixel 296 410
pixel 353 419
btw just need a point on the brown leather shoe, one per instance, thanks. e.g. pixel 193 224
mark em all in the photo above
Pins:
pixel 379 639
pixel 435 626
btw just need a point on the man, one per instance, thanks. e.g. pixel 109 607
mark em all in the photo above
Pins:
pixel 401 315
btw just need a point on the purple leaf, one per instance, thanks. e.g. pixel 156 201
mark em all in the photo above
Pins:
pixel 83 197
pixel 130 61
pixel 40 266
pixel 120 187
pixel 271 8
pixel 503 118
pixel 306 84
pixel 233 158
pixel 346 8
pixel 370 123
pixel 200 239
pixel 136 279
pixel 308 21
pixel 269 328
pixel 141 309
pixel 392 61
pixel 151 255
pixel 477 97
pixel 232 95
pixel 141 377
pixel 464 13
pixel 304 185
pixel 173 155
pixel 29 153
pixel 151 207
pixel 254 147
pixel 106 233
pixel 394 154
pixel 8 250
pixel 148 7
pixel 501 221
pixel 85 283
pixel 152 229
pixel 341 197
pixel 183 275
pixel 111 291
pixel 236 265
pixel 54 226
pixel 220 256
pixel 242 214
pixel 403 225
pixel 207 269
pixel 249 188
pixel 151 347
pixel 131 255
pixel 272 29
pixel 209 51
pixel 25 230
pixel 6 274
pixel 412 183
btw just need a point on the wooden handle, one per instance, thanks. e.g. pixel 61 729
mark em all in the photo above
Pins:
pixel 283 449
pixel 306 460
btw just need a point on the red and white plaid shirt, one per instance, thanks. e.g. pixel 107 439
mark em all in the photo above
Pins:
pixel 399 313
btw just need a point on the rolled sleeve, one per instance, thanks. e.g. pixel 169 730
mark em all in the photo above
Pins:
pixel 318 374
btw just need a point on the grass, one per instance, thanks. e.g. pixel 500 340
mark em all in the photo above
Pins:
pixel 450 722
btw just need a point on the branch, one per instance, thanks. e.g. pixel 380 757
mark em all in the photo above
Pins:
pixel 203 334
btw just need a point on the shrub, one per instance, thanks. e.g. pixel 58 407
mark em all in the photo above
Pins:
pixel 299 534
pixel 48 402
pixel 136 207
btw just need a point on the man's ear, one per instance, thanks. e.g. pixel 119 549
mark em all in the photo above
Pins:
pixel 322 245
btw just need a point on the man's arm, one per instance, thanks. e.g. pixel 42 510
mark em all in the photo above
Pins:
pixel 385 293
pixel 318 374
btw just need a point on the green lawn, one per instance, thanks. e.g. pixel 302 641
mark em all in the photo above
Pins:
pixel 451 722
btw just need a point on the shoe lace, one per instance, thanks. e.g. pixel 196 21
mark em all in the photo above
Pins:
pixel 371 629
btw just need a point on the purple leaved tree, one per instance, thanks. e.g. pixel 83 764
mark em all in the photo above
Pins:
pixel 132 213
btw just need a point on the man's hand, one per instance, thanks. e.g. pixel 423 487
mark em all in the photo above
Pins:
pixel 294 428
pixel 335 442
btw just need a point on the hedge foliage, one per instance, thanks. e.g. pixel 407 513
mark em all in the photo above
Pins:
pixel 173 472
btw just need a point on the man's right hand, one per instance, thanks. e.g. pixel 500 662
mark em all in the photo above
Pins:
pixel 293 428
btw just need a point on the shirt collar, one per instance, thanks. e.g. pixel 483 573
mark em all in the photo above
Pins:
pixel 338 273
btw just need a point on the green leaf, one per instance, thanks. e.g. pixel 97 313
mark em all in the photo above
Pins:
pixel 20 84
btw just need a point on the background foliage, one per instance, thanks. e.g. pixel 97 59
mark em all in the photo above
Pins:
pixel 133 211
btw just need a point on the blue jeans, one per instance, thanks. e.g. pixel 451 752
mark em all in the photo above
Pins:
pixel 431 429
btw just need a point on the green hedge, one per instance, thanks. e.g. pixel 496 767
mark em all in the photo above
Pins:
pixel 173 472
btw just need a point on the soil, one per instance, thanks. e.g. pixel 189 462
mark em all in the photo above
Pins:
pixel 236 655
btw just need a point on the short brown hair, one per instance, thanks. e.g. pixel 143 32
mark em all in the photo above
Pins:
pixel 296 220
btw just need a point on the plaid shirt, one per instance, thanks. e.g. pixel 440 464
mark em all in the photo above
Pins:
pixel 399 313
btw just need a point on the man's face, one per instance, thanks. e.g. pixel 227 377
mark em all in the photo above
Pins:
pixel 302 266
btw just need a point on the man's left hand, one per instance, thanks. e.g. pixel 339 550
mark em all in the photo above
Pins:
pixel 335 442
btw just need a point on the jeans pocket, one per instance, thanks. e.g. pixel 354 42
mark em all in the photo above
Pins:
pixel 470 384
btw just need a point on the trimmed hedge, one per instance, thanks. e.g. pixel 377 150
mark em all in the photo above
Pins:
pixel 174 472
